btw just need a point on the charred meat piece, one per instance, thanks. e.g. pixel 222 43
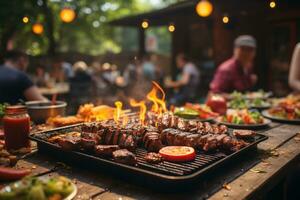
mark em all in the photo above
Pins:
pixel 182 124
pixel 129 143
pixel 244 134
pixel 238 144
pixel 89 140
pixel 69 143
pixel 192 140
pixel 202 140
pixel 152 141
pixel 105 150
pixel 153 158
pixel 210 144
pixel 124 156
pixel 179 139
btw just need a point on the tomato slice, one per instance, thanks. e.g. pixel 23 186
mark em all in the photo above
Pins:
pixel 178 153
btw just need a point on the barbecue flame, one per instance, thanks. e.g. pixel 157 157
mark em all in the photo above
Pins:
pixel 118 111
pixel 159 104
pixel 143 109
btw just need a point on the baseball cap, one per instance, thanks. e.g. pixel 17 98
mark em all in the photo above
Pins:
pixel 245 40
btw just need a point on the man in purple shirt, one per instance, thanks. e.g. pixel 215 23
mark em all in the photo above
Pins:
pixel 236 73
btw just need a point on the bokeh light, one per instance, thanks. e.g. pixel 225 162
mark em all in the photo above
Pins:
pixel 37 28
pixel 225 19
pixel 145 24
pixel 67 15
pixel 204 8
pixel 272 4
pixel 171 28
pixel 25 19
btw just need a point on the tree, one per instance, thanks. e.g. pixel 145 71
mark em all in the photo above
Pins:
pixel 88 33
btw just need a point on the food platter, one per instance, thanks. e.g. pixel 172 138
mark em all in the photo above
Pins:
pixel 245 126
pixel 22 185
pixel 266 114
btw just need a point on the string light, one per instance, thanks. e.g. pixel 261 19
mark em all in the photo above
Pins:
pixel 171 28
pixel 272 4
pixel 67 15
pixel 145 24
pixel 25 19
pixel 225 19
pixel 37 28
pixel 204 8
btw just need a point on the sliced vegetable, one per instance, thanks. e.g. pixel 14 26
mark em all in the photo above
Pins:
pixel 9 174
pixel 178 153
pixel 186 113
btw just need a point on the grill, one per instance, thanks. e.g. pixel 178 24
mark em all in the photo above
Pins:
pixel 162 173
pixel 178 169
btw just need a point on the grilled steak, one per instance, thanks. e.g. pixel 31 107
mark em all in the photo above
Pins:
pixel 244 134
pixel 124 156
pixel 153 158
pixel 69 143
pixel 152 141
pixel 105 150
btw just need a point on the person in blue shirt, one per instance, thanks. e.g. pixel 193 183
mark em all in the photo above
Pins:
pixel 15 85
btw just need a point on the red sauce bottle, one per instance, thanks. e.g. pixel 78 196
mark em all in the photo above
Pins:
pixel 16 124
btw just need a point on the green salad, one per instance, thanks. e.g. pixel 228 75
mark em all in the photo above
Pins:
pixel 32 188
pixel 239 101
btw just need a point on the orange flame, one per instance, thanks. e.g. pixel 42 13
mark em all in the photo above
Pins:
pixel 118 111
pixel 159 104
pixel 143 108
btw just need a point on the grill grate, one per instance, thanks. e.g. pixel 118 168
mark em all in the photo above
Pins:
pixel 179 169
pixel 176 170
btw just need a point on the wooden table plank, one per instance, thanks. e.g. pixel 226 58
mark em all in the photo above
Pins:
pixel 251 182
pixel 92 182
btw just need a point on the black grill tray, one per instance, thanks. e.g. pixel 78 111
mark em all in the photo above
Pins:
pixel 162 173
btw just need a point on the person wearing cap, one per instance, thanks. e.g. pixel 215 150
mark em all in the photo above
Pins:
pixel 236 72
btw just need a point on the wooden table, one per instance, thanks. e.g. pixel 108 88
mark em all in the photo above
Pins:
pixel 59 88
pixel 250 178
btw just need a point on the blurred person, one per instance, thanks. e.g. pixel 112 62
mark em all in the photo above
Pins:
pixel 236 72
pixel 57 71
pixel 67 69
pixel 80 72
pixel 294 75
pixel 40 76
pixel 148 67
pixel 15 85
pixel 187 83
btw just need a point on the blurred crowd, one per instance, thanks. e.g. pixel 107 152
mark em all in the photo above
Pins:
pixel 105 83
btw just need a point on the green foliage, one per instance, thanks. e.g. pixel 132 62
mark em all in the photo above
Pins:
pixel 89 33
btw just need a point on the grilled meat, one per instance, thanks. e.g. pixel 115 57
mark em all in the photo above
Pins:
pixel 89 140
pixel 105 150
pixel 152 141
pixel 124 156
pixel 244 134
pixel 154 158
pixel 207 142
pixel 69 143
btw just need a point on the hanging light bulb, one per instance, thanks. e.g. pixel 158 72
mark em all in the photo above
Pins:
pixel 145 24
pixel 67 15
pixel 225 19
pixel 272 4
pixel 37 28
pixel 25 19
pixel 171 28
pixel 204 8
